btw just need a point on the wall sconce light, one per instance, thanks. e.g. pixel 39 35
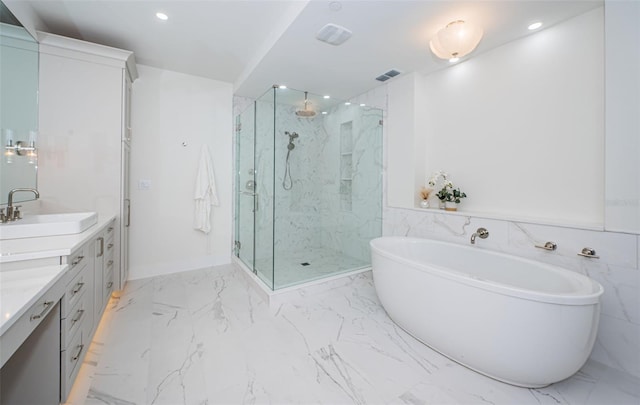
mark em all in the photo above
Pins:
pixel 20 148
pixel 457 39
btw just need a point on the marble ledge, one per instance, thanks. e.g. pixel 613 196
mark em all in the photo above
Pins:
pixel 499 217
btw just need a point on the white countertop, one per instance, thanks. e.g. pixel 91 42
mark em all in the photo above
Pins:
pixel 12 250
pixel 20 289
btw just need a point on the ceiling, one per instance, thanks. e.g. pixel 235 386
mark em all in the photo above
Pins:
pixel 257 43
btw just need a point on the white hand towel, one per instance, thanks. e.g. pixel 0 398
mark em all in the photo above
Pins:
pixel 205 194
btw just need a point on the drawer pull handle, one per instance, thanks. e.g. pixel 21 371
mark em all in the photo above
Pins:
pixel 77 355
pixel 77 260
pixel 78 316
pixel 77 288
pixel 46 305
pixel 109 284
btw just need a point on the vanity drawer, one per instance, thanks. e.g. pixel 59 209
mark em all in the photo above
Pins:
pixel 78 261
pixel 70 361
pixel 78 316
pixel 108 283
pixel 75 289
pixel 110 230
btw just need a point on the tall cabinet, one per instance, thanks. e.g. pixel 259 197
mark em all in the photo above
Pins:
pixel 85 133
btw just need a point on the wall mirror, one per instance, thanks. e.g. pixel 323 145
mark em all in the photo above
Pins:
pixel 18 107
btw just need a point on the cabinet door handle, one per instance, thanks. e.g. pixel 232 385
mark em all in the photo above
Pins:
pixel 109 263
pixel 109 229
pixel 109 284
pixel 77 288
pixel 109 246
pixel 77 355
pixel 46 305
pixel 128 212
pixel 78 316
pixel 101 239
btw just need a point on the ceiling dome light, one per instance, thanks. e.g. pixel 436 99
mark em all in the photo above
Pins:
pixel 535 26
pixel 456 40
pixel 162 16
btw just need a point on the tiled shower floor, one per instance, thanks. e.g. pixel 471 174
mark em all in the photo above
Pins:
pixel 205 337
pixel 318 263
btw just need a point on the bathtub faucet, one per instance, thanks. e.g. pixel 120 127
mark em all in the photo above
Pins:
pixel 482 233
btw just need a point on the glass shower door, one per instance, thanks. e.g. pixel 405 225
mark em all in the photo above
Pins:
pixel 245 188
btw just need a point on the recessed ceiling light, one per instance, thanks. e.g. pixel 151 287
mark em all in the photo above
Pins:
pixel 363 105
pixel 324 113
pixel 535 26
pixel 347 103
pixel 326 97
pixel 162 16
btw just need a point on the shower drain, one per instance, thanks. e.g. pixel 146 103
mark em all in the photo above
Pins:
pixel 305 264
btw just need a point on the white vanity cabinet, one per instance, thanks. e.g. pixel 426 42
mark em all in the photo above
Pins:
pixel 67 279
pixel 77 314
pixel 103 271
pixel 85 133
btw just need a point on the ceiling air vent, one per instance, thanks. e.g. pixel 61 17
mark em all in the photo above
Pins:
pixel 333 34
pixel 386 76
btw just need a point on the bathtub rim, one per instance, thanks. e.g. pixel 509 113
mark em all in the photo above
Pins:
pixel 581 298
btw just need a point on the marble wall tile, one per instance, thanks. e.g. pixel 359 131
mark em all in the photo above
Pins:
pixel 617 345
pixel 313 212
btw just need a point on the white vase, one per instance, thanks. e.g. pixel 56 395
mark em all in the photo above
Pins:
pixel 450 206
pixel 424 203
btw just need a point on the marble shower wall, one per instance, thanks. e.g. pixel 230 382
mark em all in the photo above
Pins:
pixel 617 269
pixel 312 213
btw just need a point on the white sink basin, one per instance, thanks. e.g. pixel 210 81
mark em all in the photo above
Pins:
pixel 33 226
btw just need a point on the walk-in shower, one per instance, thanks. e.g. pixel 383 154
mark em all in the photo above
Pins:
pixel 308 186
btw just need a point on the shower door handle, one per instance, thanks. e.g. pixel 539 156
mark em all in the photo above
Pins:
pixel 255 199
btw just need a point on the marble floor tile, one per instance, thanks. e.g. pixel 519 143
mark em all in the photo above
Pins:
pixel 318 262
pixel 206 337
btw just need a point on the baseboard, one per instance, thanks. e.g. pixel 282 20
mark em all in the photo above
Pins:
pixel 187 264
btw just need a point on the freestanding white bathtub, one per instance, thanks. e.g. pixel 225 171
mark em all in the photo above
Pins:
pixel 516 320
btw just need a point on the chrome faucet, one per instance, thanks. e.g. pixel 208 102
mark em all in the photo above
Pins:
pixel 13 212
pixel 481 233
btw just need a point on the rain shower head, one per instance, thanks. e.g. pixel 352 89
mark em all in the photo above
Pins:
pixel 306 113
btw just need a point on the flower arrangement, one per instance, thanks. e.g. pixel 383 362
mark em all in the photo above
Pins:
pixel 447 193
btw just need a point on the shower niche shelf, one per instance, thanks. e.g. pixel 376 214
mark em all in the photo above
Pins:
pixel 346 165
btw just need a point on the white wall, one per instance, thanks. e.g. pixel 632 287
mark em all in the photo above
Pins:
pixel 622 205
pixel 170 108
pixel 519 128
pixel 406 144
